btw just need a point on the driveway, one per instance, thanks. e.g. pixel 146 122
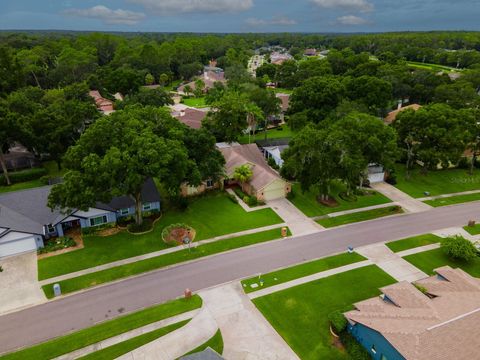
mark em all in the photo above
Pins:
pixel 408 203
pixel 18 282
pixel 298 222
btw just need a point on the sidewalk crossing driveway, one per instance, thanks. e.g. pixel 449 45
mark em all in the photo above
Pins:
pixel 408 203
pixel 298 222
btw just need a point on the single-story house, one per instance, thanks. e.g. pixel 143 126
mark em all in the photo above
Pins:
pixel 26 220
pixel 278 58
pixel 391 116
pixel 310 52
pixel 18 157
pixel 211 75
pixel 266 183
pixel 376 173
pixel 285 104
pixel 189 116
pixel 437 318
pixel 275 153
pixel 103 105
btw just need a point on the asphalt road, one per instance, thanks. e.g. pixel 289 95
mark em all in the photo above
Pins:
pixel 84 309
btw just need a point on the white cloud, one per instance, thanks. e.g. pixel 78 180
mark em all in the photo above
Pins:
pixel 164 7
pixel 352 20
pixel 361 5
pixel 108 16
pixel 278 20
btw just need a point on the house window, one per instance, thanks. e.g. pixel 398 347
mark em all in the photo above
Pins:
pixel 98 220
pixel 50 228
pixel 373 349
pixel 147 206
pixel 124 211
pixel 209 183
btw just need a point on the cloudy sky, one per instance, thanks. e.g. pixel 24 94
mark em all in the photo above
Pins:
pixel 241 15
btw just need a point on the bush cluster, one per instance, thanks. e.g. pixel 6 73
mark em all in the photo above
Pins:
pixel 146 225
pixel 57 244
pixel 166 231
pixel 95 229
pixel 338 321
pixel 24 175
pixel 459 248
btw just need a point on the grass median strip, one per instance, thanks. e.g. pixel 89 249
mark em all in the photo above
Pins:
pixel 105 330
pixel 472 230
pixel 158 262
pixel 452 200
pixel 360 216
pixel 114 351
pixel 299 271
pixel 413 242
pixel 214 343
pixel 428 261
pixel 300 314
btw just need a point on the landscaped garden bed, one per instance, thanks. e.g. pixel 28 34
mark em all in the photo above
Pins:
pixel 178 234
pixel 57 244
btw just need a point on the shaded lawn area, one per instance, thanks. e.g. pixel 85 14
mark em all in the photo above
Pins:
pixel 413 242
pixel 308 204
pixel 282 132
pixel 210 216
pixel 195 102
pixel 214 343
pixel 472 230
pixel 360 216
pixel 105 330
pixel 158 262
pixel 453 200
pixel 437 182
pixel 433 67
pixel 429 260
pixel 283 91
pixel 300 314
pixel 114 351
pixel 295 272
pixel 52 169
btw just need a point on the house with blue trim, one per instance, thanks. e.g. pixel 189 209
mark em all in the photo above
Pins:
pixel 26 220
pixel 437 318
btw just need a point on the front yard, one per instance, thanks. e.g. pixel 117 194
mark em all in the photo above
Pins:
pixel 413 242
pixel 300 314
pixel 360 216
pixel 436 182
pixel 308 204
pixel 212 215
pixel 452 200
pixel 429 260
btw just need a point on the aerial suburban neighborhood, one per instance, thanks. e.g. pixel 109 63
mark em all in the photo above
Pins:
pixel 238 180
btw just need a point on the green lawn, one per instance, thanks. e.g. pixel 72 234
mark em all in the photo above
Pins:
pixel 295 272
pixel 209 215
pixel 53 171
pixel 214 343
pixel 433 67
pixel 195 102
pixel 105 330
pixel 282 132
pixel 114 351
pixel 429 260
pixel 413 242
pixel 300 314
pixel 308 204
pixel 360 216
pixel 453 200
pixel 139 267
pixel 283 91
pixel 472 230
pixel 437 182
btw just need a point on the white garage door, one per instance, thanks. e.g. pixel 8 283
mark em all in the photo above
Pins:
pixel 275 190
pixel 16 247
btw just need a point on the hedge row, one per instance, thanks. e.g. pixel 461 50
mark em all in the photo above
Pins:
pixel 24 175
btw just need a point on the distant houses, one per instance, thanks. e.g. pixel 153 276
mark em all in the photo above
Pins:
pixel 211 75
pixel 191 117
pixel 391 116
pixel 103 105
pixel 278 58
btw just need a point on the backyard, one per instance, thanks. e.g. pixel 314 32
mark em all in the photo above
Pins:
pixel 308 204
pixel 52 169
pixel 436 182
pixel 300 314
pixel 195 102
pixel 282 132
pixel 209 215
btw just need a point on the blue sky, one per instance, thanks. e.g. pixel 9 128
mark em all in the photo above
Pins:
pixel 241 15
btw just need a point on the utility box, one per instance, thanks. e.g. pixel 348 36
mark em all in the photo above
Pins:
pixel 471 223
pixel 57 291
pixel 284 232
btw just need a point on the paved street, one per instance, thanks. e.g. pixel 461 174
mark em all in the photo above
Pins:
pixel 74 312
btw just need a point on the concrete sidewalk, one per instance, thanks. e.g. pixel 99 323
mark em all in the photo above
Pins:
pixel 408 203
pixel 443 196
pixel 245 206
pixel 246 333
pixel 157 253
pixel 391 263
pixel 297 221
pixel 353 211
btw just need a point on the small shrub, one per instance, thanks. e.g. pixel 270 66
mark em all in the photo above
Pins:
pixel 125 220
pixel 232 198
pixel 94 229
pixel 57 244
pixel 347 197
pixel 252 201
pixel 459 248
pixel 239 192
pixel 338 321
pixel 146 225
pixel 273 164
pixel 24 175
pixel 353 348
pixel 464 163
pixel 391 178
pixel 180 202
pixel 45 180
pixel 291 195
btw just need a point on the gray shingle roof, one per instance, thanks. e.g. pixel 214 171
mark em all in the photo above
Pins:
pixel 207 354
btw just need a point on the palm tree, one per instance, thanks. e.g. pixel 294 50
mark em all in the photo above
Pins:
pixel 243 174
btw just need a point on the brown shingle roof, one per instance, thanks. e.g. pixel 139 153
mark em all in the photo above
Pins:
pixel 191 117
pixel 393 114
pixel 285 98
pixel 237 155
pixel 446 326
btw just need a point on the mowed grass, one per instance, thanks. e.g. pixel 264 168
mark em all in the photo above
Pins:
pixel 413 242
pixel 432 67
pixel 211 216
pixel 295 272
pixel 308 204
pixel 214 343
pixel 158 262
pixel 52 169
pixel 360 216
pixel 472 230
pixel 436 182
pixel 429 260
pixel 300 314
pixel 195 102
pixel 283 132
pixel 452 200
pixel 105 330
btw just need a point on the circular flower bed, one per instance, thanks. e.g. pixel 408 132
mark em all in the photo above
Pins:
pixel 178 234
